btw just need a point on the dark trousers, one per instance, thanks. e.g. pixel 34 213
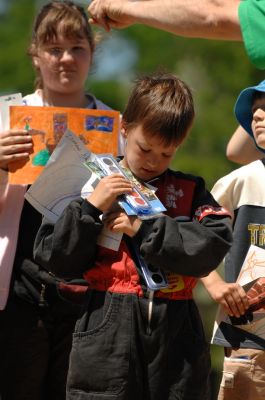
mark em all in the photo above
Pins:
pixel 34 350
pixel 115 357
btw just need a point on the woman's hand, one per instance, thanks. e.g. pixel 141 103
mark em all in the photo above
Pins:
pixel 15 145
pixel 107 191
pixel 121 222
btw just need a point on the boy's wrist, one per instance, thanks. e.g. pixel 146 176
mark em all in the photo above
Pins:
pixel 144 230
pixel 90 209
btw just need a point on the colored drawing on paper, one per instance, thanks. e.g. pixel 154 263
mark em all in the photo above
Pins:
pixel 41 158
pixel 104 124
pixel 60 125
pixel 47 125
pixel 27 120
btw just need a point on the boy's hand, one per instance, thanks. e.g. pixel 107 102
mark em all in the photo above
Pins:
pixel 107 191
pixel 231 296
pixel 15 145
pixel 121 222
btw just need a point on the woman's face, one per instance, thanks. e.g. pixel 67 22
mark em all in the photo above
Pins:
pixel 64 64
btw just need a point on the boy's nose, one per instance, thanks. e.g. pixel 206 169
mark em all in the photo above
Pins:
pixel 67 55
pixel 259 114
pixel 152 162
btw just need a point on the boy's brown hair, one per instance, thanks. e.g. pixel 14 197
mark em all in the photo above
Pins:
pixel 57 17
pixel 163 105
pixel 257 95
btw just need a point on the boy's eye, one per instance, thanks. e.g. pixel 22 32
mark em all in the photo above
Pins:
pixel 169 155
pixel 55 50
pixel 144 150
pixel 77 48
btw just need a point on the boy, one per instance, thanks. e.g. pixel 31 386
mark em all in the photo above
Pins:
pixel 243 194
pixel 119 350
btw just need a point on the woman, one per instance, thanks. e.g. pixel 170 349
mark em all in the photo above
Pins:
pixel 37 323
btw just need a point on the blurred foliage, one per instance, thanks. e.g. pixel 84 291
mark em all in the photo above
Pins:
pixel 16 73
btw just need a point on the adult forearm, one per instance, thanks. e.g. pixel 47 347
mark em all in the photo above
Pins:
pixel 213 19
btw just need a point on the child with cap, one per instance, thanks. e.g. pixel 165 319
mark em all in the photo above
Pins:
pixel 242 192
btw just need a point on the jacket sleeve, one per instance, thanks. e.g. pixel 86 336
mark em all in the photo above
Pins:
pixel 194 247
pixel 68 247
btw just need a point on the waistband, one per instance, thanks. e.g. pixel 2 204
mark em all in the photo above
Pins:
pixel 173 292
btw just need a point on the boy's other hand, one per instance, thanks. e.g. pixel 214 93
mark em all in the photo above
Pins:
pixel 121 222
pixel 15 145
pixel 232 297
pixel 107 191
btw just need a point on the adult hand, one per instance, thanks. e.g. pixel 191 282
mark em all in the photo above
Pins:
pixel 121 222
pixel 15 145
pixel 107 191
pixel 110 14
pixel 211 20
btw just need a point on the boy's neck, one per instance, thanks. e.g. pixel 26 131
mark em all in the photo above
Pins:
pixel 77 100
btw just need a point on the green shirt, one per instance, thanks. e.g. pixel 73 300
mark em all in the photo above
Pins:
pixel 252 21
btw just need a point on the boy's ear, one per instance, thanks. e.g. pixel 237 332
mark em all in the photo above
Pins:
pixel 35 61
pixel 123 130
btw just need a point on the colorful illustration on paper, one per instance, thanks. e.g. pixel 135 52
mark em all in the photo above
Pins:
pixel 59 128
pixel 104 124
pixel 60 125
pixel 98 130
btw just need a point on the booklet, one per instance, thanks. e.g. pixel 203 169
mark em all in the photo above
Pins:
pixel 252 278
pixel 98 130
pixel 142 201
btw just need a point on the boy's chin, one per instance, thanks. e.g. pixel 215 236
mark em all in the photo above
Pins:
pixel 259 138
pixel 146 177
pixel 261 144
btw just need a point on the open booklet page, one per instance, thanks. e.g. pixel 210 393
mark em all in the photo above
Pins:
pixel 252 278
pixel 64 179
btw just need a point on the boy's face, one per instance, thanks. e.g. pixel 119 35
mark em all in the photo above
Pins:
pixel 258 121
pixel 146 155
